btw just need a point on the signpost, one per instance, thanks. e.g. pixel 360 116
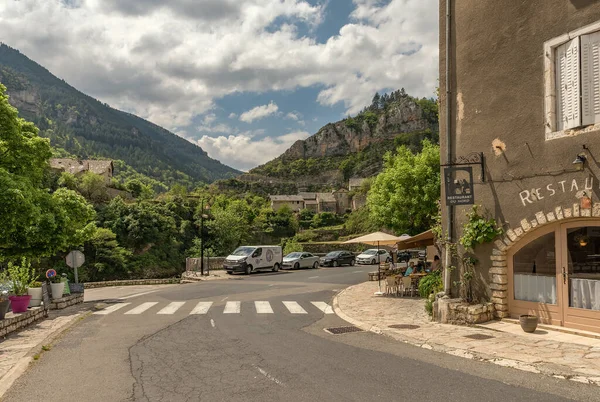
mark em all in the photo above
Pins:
pixel 75 259
pixel 459 185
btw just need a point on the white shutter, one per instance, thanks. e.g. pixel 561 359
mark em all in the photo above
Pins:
pixel 567 85
pixel 590 78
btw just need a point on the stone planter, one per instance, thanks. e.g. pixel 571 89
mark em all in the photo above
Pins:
pixel 57 290
pixel 3 308
pixel 36 297
pixel 528 322
pixel 19 304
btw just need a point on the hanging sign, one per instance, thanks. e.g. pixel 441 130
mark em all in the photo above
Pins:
pixel 459 185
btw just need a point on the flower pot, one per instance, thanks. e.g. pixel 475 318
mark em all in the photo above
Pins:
pixel 3 308
pixel 57 290
pixel 36 297
pixel 528 322
pixel 19 304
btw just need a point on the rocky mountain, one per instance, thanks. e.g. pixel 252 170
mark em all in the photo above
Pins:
pixel 87 128
pixel 353 147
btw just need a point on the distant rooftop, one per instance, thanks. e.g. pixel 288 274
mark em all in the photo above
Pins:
pixel 282 198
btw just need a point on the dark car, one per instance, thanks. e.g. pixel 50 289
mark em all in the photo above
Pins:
pixel 404 256
pixel 337 258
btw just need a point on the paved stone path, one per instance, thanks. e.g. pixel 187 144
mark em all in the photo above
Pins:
pixel 548 352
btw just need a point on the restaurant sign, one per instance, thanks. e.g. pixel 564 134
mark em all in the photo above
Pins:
pixel 459 185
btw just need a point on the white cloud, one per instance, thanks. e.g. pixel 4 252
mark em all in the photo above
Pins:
pixel 243 151
pixel 259 112
pixel 169 61
pixel 208 126
pixel 232 115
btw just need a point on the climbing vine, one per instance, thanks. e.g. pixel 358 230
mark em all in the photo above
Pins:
pixel 478 229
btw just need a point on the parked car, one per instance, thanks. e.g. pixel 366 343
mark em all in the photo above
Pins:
pixel 250 259
pixel 300 260
pixel 338 258
pixel 373 256
pixel 403 256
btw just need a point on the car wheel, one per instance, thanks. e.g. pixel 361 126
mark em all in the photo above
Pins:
pixel 275 267
pixel 335 264
pixel 229 272
pixel 373 262
pixel 296 266
pixel 315 265
pixel 248 269
pixel 352 262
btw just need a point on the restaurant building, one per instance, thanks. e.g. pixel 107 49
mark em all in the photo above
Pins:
pixel 520 106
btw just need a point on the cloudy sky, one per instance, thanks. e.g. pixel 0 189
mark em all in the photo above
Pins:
pixel 244 79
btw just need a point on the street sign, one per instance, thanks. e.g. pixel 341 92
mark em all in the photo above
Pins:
pixel 459 185
pixel 75 259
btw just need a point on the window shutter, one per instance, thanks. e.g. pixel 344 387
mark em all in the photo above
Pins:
pixel 567 85
pixel 590 78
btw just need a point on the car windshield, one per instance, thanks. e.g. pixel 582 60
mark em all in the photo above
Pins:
pixel 333 254
pixel 293 255
pixel 370 252
pixel 243 251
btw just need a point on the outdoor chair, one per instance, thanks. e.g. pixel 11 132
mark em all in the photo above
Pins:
pixel 407 285
pixel 390 285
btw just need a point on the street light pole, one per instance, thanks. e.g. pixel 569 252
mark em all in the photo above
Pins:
pixel 202 238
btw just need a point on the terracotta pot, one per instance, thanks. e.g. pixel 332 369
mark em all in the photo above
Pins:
pixel 3 308
pixel 528 322
pixel 19 304
pixel 57 290
pixel 36 297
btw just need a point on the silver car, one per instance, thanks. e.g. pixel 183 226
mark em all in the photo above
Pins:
pixel 300 260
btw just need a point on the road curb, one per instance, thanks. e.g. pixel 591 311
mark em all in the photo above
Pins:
pixel 22 365
pixel 519 365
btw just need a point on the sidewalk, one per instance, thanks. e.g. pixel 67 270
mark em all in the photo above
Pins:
pixel 548 352
pixel 17 350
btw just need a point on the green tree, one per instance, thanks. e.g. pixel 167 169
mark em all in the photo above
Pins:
pixel 404 195
pixel 105 259
pixel 93 187
pixel 228 228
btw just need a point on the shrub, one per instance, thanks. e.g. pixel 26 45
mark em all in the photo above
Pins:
pixel 431 283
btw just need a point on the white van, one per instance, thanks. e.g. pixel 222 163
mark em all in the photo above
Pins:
pixel 250 259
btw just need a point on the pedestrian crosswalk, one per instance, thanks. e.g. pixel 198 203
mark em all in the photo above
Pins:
pixel 203 307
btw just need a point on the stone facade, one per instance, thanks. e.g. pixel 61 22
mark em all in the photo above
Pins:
pixel 66 301
pixel 15 322
pixel 456 311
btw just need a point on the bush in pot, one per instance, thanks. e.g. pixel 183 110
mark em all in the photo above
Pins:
pixel 57 286
pixel 21 276
pixel 35 291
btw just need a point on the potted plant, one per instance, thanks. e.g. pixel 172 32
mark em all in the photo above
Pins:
pixel 35 290
pixel 528 322
pixel 4 292
pixel 57 287
pixel 21 277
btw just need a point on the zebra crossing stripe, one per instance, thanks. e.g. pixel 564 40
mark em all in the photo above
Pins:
pixel 171 308
pixel 112 308
pixel 324 307
pixel 201 308
pixel 232 307
pixel 141 308
pixel 294 307
pixel 263 307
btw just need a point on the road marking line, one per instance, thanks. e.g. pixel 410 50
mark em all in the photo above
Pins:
pixel 269 376
pixel 112 308
pixel 212 322
pixel 141 308
pixel 225 298
pixel 263 307
pixel 356 272
pixel 324 307
pixel 294 307
pixel 312 277
pixel 232 307
pixel 171 308
pixel 201 308
pixel 139 294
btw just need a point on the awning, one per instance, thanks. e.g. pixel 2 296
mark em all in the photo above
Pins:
pixel 420 240
pixel 377 239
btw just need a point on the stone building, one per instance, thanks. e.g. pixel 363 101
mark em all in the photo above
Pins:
pixel 326 202
pixel 295 202
pixel 520 87
pixel 342 201
pixel 77 167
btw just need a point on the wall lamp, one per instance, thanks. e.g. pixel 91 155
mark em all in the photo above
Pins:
pixel 579 161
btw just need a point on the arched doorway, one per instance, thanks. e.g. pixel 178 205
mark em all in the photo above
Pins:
pixel 554 272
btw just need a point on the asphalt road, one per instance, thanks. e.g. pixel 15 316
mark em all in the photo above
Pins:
pixel 211 341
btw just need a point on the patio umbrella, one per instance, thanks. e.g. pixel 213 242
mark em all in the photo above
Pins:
pixel 378 239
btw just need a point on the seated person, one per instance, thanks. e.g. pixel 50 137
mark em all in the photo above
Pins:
pixel 420 267
pixel 410 269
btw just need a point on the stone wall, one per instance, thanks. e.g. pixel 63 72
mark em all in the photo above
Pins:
pixel 456 311
pixel 92 285
pixel 14 322
pixel 66 301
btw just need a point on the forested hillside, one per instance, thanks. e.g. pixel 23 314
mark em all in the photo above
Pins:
pixel 355 146
pixel 87 128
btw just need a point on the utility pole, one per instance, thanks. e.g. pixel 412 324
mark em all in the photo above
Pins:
pixel 202 217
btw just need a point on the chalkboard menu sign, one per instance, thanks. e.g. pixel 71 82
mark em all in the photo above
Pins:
pixel 76 287
pixel 46 296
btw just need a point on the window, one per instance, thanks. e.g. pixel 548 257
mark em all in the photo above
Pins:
pixel 572 81
pixel 534 271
